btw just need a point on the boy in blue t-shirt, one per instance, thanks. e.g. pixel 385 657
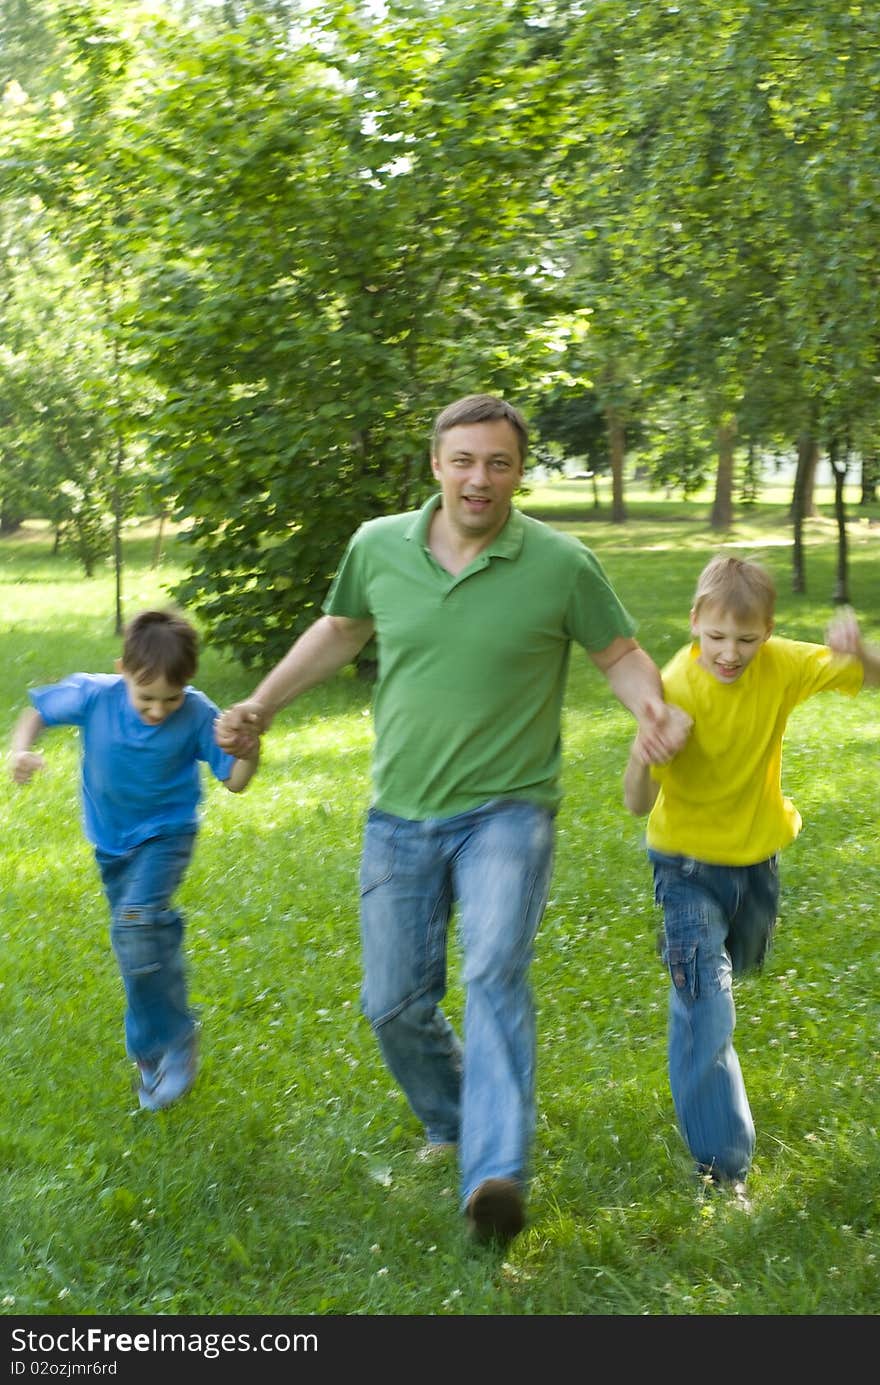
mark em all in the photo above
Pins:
pixel 143 731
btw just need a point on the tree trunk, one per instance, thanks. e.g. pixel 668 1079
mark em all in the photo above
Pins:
pixel 748 493
pixel 810 482
pixel 722 507
pixel 839 467
pixel 798 575
pixel 808 458
pixel 9 520
pixel 870 478
pixel 617 449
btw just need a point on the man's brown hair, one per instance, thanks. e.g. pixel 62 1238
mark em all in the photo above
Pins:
pixel 480 408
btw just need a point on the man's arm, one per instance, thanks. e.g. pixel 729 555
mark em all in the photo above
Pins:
pixel 323 649
pixel 635 680
pixel 845 637
pixel 23 762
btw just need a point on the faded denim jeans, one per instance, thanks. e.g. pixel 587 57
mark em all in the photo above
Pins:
pixel 147 935
pixel 718 923
pixel 495 864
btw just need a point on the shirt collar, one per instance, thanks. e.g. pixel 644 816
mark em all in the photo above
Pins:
pixel 506 544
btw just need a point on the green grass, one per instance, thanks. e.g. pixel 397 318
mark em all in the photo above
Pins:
pixel 287 1183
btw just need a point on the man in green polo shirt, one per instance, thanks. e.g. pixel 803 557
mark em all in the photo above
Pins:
pixel 474 607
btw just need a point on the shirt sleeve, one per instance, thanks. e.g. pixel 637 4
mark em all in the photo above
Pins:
pixel 348 594
pixel 219 761
pixel 821 670
pixel 66 703
pixel 595 616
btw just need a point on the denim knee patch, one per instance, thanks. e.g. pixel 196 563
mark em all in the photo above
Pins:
pixel 681 960
pixel 695 927
pixel 144 940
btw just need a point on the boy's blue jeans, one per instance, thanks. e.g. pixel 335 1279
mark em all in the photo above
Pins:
pixel 718 923
pixel 495 863
pixel 147 934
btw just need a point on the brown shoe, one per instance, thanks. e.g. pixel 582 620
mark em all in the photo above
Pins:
pixel 495 1211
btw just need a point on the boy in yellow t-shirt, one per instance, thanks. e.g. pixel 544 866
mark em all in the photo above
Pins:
pixel 718 821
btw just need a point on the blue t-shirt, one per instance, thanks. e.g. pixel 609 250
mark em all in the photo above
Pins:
pixel 138 781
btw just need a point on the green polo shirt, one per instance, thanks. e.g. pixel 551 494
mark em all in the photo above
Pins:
pixel 472 667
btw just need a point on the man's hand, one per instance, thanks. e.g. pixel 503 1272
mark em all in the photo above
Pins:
pixel 238 729
pixel 23 764
pixel 663 731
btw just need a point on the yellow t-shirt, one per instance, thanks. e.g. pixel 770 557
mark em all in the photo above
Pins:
pixel 721 799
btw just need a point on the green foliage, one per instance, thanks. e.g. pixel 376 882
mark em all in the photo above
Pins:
pixel 70 409
pixel 357 225
pixel 288 1182
pixel 576 422
pixel 294 232
pixel 679 448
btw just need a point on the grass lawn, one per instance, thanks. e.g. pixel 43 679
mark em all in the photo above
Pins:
pixel 288 1181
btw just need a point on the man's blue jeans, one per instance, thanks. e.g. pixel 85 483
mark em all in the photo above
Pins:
pixel 718 923
pixel 147 934
pixel 495 864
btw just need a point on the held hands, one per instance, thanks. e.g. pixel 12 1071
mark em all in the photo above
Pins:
pixel 23 764
pixel 663 731
pixel 238 729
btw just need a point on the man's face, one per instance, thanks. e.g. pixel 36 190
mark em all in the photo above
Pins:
pixel 479 467
pixel 727 644
pixel 155 700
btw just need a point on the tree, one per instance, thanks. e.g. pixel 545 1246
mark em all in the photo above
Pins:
pixel 839 458
pixel 54 434
pixel 66 167
pixel 576 423
pixel 295 231
pixel 333 280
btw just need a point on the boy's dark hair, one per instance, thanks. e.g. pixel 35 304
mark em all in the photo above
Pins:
pixel 160 644
pixel 738 585
pixel 480 408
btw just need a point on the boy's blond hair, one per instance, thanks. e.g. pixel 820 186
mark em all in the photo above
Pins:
pixel 740 586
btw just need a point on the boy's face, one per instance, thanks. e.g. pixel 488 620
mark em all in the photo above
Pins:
pixel 728 644
pixel 153 701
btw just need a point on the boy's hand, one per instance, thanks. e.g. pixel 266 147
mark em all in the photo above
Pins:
pixel 238 729
pixel 663 731
pixel 843 634
pixel 24 763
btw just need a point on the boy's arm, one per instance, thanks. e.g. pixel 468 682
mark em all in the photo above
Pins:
pixel 23 762
pixel 640 789
pixel 844 637
pixel 243 771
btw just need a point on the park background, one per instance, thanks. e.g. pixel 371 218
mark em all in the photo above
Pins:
pixel 248 251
